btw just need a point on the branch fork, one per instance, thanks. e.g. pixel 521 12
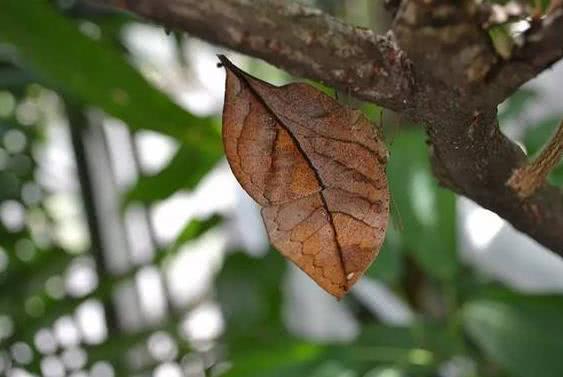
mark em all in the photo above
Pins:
pixel 415 70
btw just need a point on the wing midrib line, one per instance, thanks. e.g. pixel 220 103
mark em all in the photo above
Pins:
pixel 244 76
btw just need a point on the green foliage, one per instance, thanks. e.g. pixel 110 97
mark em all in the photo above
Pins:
pixel 95 73
pixel 80 68
pixel 425 212
pixel 174 176
pixel 523 334
pixel 502 40
pixel 388 266
pixel 285 359
pixel 514 104
pixel 195 228
pixel 250 292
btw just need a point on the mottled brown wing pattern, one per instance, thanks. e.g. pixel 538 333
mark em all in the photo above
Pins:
pixel 318 170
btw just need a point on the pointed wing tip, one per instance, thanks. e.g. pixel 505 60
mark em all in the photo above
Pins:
pixel 230 67
pixel 339 295
pixel 341 291
pixel 223 61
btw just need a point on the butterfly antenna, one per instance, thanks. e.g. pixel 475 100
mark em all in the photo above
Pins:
pixel 396 216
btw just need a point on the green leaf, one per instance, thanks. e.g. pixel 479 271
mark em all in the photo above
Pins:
pixel 293 358
pixel 15 79
pixel 388 266
pixel 426 211
pixel 515 104
pixel 192 230
pixel 536 137
pixel 524 334
pixel 388 336
pixel 385 372
pixel 279 354
pixel 195 228
pixel 502 40
pixel 421 344
pixel 94 72
pixel 249 290
pixel 25 277
pixel 184 171
pixel 333 368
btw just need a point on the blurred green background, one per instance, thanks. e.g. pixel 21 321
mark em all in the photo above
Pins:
pixel 127 249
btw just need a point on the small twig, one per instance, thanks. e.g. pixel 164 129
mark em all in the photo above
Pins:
pixel 526 180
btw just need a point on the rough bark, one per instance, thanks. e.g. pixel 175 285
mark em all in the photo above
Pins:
pixel 304 41
pixel 437 66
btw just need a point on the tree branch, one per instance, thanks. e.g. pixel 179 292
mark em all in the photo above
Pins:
pixel 541 47
pixel 474 159
pixel 469 153
pixel 303 41
pixel 454 90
